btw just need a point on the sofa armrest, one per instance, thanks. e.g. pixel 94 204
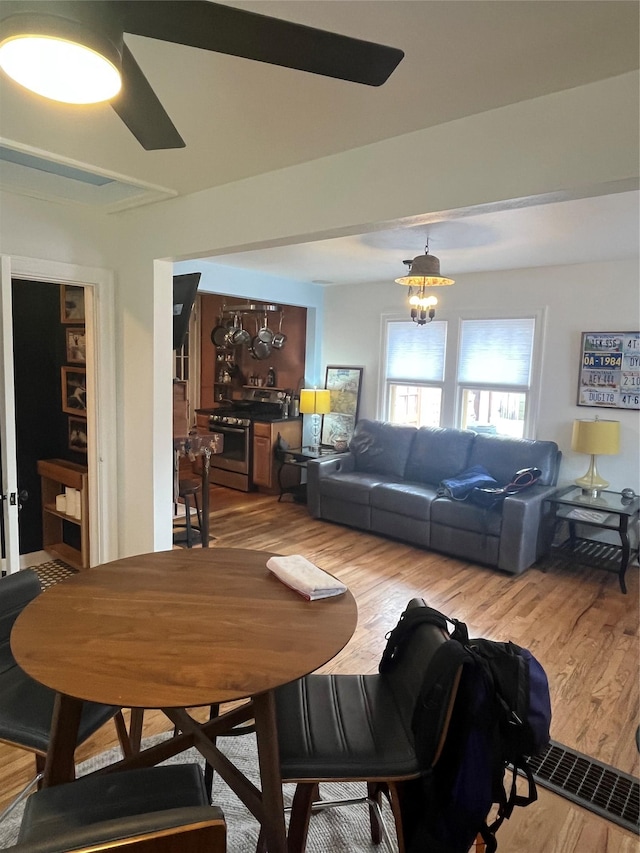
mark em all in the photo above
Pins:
pixel 319 468
pixel 526 528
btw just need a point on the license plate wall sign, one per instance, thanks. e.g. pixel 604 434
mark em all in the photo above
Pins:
pixel 610 370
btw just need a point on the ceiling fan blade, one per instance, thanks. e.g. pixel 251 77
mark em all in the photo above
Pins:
pixel 225 29
pixel 139 108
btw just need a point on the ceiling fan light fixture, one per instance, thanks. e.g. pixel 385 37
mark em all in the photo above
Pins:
pixel 60 59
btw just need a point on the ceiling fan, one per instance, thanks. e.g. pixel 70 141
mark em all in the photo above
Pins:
pixel 97 28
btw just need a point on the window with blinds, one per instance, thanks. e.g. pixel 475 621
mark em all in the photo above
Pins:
pixel 480 379
pixel 415 372
pixel 494 374
pixel 496 351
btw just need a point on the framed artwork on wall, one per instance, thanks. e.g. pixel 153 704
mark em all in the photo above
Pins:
pixel 609 372
pixel 71 303
pixel 74 390
pixel 344 385
pixel 76 345
pixel 78 434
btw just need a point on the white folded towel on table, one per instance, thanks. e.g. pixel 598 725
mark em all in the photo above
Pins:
pixel 306 578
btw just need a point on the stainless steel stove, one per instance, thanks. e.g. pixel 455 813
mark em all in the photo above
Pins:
pixel 232 467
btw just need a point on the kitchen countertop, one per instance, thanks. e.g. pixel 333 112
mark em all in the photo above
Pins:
pixel 269 419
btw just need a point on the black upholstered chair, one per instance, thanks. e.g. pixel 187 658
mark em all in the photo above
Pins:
pixel 149 810
pixel 349 728
pixel 26 707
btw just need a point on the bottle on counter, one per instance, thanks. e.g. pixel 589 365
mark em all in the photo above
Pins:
pixel 271 378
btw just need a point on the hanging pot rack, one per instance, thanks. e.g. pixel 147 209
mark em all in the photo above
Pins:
pixel 252 308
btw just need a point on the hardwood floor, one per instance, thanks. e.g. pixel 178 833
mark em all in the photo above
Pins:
pixel 577 622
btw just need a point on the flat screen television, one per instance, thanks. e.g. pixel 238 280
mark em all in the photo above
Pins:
pixel 184 295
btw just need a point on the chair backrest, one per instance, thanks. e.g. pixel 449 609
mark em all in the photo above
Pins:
pixel 150 810
pixel 202 830
pixel 406 677
pixel 16 591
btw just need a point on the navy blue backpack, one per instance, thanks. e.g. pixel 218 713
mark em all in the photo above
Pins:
pixel 500 717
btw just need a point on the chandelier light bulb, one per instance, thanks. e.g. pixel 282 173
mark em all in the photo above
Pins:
pixel 59 69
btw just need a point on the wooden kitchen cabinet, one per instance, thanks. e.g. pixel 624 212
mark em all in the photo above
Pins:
pixel 55 474
pixel 265 437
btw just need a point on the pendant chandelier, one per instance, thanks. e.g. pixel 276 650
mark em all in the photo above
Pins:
pixel 424 272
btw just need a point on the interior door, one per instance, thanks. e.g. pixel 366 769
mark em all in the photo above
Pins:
pixel 9 469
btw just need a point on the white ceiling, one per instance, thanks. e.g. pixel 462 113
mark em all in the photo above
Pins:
pixel 241 118
pixel 569 232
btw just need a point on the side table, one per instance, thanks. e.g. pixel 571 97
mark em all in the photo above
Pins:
pixel 607 511
pixel 298 457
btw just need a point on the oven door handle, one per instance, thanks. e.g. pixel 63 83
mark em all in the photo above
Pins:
pixel 239 430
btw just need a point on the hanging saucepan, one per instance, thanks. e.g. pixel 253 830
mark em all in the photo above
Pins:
pixel 218 333
pixel 265 334
pixel 259 349
pixel 279 340
pixel 237 336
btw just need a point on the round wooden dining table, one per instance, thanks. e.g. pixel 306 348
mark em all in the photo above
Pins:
pixel 174 630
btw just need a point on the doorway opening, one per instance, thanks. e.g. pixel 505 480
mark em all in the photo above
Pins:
pixel 49 346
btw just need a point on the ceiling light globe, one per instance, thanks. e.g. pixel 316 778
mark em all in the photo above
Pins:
pixel 59 69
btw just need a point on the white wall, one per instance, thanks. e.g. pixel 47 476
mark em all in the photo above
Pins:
pixel 33 228
pixel 577 298
pixel 561 144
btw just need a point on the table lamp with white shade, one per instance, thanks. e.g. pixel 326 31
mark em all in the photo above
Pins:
pixel 596 438
pixel 315 402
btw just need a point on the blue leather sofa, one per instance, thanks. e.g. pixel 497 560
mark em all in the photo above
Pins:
pixel 388 483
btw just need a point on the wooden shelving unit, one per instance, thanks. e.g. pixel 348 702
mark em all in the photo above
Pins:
pixel 55 475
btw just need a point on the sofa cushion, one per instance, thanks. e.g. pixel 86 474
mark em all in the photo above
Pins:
pixel 463 515
pixel 407 499
pixel 381 448
pixel 355 487
pixel 503 456
pixel 437 453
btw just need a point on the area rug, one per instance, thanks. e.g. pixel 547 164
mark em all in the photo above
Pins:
pixel 341 830
pixel 52 572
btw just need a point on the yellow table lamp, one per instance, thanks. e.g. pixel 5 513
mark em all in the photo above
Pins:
pixel 596 438
pixel 315 402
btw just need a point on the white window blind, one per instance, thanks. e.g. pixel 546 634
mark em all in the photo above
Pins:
pixel 416 353
pixel 496 352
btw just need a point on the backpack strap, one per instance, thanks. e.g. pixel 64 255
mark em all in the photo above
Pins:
pixel 410 619
pixel 434 706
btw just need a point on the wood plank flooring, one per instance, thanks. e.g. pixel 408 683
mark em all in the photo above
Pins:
pixel 576 621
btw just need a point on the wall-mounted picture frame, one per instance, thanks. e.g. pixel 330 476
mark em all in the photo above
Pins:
pixel 74 390
pixel 78 434
pixel 344 385
pixel 609 372
pixel 71 303
pixel 76 345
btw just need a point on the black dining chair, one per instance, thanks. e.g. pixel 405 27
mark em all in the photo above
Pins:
pixel 357 728
pixel 26 706
pixel 149 810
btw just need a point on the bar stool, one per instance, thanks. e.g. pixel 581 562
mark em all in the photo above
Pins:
pixel 188 489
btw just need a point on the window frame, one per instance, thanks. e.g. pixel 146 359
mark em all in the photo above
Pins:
pixel 451 389
pixel 384 395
